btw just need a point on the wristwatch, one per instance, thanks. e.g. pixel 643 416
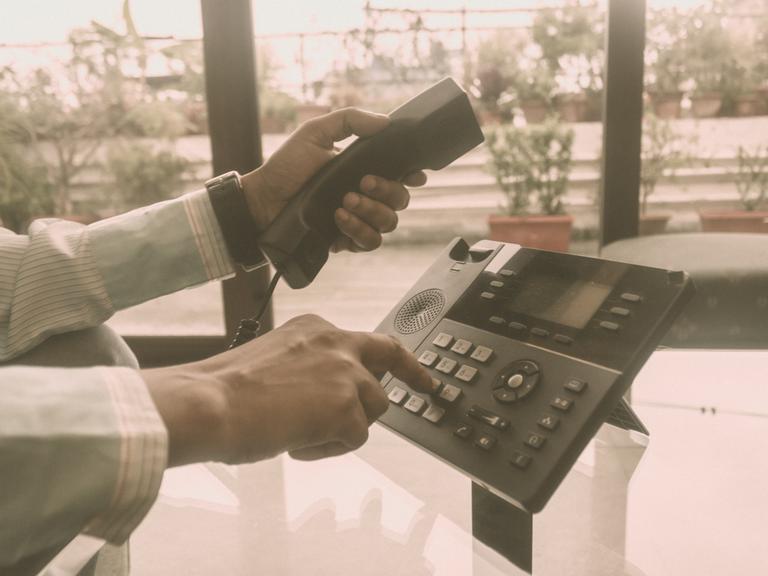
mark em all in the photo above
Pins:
pixel 234 217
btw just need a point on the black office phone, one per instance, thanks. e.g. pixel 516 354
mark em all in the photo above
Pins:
pixel 530 352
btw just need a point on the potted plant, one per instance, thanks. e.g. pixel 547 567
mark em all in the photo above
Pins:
pixel 752 187
pixel 534 89
pixel 495 71
pixel 708 52
pixel 661 155
pixel 531 165
pixel 665 72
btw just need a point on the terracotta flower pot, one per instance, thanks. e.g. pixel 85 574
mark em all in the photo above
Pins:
pixel 535 111
pixel 706 105
pixel 755 221
pixel 651 224
pixel 666 105
pixel 544 232
pixel 572 107
pixel 749 104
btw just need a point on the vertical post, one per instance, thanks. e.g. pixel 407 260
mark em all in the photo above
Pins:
pixel 233 120
pixel 502 527
pixel 622 120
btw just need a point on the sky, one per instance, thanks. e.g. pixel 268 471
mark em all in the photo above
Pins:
pixel 24 21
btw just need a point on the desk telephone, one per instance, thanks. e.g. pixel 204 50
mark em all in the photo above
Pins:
pixel 530 351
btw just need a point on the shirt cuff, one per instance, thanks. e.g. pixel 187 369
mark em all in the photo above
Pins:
pixel 208 236
pixel 143 456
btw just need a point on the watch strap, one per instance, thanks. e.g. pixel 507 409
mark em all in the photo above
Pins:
pixel 234 217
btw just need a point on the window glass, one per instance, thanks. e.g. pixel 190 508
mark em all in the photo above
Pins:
pixel 534 75
pixel 103 110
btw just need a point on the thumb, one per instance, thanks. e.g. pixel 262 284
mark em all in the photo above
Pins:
pixel 343 123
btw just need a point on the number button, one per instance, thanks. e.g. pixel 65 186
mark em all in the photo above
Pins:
pixel 461 347
pixel 446 365
pixel 450 393
pixel 466 373
pixel 397 395
pixel 576 386
pixel 433 414
pixel 442 340
pixel 415 404
pixel 427 358
pixel 481 354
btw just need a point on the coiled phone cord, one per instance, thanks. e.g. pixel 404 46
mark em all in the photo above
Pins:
pixel 248 329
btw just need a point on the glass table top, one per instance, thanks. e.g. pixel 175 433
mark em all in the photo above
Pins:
pixel 691 499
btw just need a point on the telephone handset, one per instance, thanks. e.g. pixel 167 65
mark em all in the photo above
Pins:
pixel 530 352
pixel 428 132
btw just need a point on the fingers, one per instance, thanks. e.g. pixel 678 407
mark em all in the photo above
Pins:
pixel 340 124
pixel 376 214
pixel 388 192
pixel 326 450
pixel 381 353
pixel 416 179
pixel 362 235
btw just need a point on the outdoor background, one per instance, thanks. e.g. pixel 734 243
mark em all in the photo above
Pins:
pixel 102 109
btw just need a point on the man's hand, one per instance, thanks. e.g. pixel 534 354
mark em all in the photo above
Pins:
pixel 307 387
pixel 363 217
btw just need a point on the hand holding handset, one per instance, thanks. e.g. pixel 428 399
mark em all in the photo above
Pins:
pixel 428 132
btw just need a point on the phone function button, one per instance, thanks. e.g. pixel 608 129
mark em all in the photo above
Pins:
pixel 397 395
pixel 526 366
pixel 497 284
pixel 457 267
pixel 575 385
pixel 442 340
pixel 461 347
pixel 433 414
pixel 487 295
pixel 563 339
pixel 507 273
pixel 504 396
pixel 518 326
pixel 427 358
pixel 415 404
pixel 488 417
pixel 561 403
pixel 548 421
pixel 485 442
pixel 446 365
pixel 520 460
pixel 482 354
pixel 466 373
pixel 631 297
pixel 498 320
pixel 535 440
pixel 620 311
pixel 515 381
pixel 540 332
pixel 463 431
pixel 450 393
pixel 611 326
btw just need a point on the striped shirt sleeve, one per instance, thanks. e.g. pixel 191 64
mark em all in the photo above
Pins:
pixel 64 276
pixel 82 450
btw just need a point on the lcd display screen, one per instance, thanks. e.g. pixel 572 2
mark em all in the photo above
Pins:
pixel 547 295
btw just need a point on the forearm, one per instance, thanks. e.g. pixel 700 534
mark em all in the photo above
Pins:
pixel 64 276
pixel 81 450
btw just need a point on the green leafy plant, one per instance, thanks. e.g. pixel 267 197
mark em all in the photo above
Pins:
pixel 143 175
pixel 665 51
pixel 752 177
pixel 708 49
pixel 662 154
pixel 532 165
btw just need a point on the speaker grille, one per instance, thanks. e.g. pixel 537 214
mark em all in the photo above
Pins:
pixel 419 311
